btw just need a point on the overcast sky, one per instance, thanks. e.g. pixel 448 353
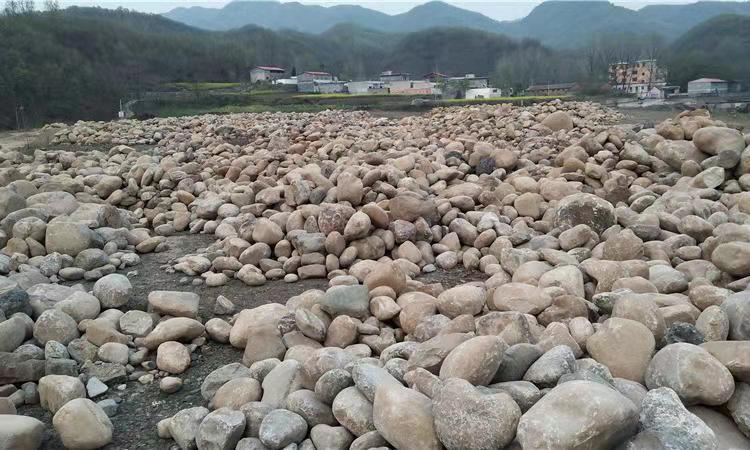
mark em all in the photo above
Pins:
pixel 497 9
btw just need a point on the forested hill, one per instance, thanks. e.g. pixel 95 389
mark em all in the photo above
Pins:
pixel 718 48
pixel 79 62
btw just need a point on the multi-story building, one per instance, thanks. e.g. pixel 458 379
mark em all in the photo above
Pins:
pixel 636 77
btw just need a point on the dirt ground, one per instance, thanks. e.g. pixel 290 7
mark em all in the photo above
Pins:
pixel 143 406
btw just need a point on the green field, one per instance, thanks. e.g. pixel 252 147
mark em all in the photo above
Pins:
pixel 187 86
pixel 345 96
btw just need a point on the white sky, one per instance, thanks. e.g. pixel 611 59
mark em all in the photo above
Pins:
pixel 496 9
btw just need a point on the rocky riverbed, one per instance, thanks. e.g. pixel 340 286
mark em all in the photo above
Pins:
pixel 481 277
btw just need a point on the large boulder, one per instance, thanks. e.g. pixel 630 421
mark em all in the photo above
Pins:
pixel 184 425
pixel 20 432
pixel 352 410
pixel 12 333
pixel 352 301
pixel 578 415
pixel 404 418
pixel 624 346
pixel 411 208
pixel 221 430
pixel 113 290
pixel 68 238
pixel 692 372
pixel 10 201
pixel 13 299
pixel 737 309
pixel 468 419
pixel 558 120
pixel 55 325
pixel 281 428
pixel 57 390
pixel 586 209
pixel 82 424
pixel 475 360
pixel 714 140
pixel 459 300
pixel 733 258
pixel 665 423
pixel 174 303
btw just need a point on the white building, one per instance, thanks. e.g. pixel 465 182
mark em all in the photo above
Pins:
pixel 365 87
pixel 292 81
pixel 708 86
pixel 488 92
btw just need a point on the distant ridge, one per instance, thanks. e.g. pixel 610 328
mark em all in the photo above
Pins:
pixel 558 24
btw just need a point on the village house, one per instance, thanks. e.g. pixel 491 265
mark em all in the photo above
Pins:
pixel 366 87
pixel 435 77
pixel 390 76
pixel 481 93
pixel 470 81
pixel 712 86
pixel 413 87
pixel 661 92
pixel 551 89
pixel 266 74
pixel 636 77
pixel 312 82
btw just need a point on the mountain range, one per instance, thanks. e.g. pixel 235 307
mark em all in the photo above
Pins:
pixel 557 24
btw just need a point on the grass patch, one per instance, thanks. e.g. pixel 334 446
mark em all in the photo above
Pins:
pixel 201 86
pixel 334 96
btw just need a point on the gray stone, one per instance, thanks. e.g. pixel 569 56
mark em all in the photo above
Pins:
pixel 218 377
pixel 183 427
pixel 13 299
pixel 578 414
pixel 737 308
pixel 586 209
pixel 109 406
pixel 55 325
pixel 331 383
pixel 329 437
pixel 468 419
pixel 12 334
pixel 404 417
pixel 310 407
pixel 20 432
pixel 220 430
pixel 664 418
pixel 692 372
pixel 516 361
pixel 353 301
pixel 95 387
pixel 352 410
pixel 739 407
pixel 281 428
pixel 553 364
pixel 368 378
pixel 113 290
pixel 82 424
